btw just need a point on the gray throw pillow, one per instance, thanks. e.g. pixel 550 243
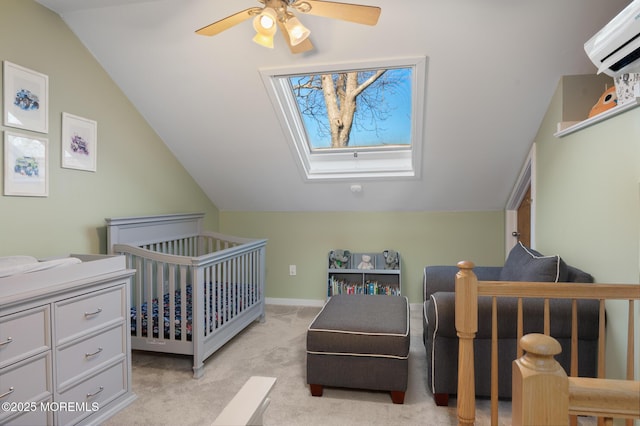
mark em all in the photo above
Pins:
pixel 526 264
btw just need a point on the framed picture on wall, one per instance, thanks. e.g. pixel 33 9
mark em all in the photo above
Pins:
pixel 26 98
pixel 26 170
pixel 79 142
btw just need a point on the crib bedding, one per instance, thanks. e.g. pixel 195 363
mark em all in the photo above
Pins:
pixel 215 317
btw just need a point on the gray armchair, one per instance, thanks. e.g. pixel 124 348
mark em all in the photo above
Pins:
pixel 523 264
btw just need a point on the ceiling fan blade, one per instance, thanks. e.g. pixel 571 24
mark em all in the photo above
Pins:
pixel 228 22
pixel 359 14
pixel 304 46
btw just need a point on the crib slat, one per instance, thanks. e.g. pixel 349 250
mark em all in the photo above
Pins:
pixel 257 293
pixel 247 281
pixel 183 302
pixel 242 282
pixel 250 269
pixel 227 291
pixel 230 302
pixel 219 295
pixel 138 296
pixel 148 285
pixel 159 280
pixel 222 300
pixel 172 299
pixel 232 288
pixel 207 300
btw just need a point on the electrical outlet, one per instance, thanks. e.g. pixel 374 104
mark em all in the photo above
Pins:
pixel 292 269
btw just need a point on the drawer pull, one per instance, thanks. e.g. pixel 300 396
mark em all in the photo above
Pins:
pixel 7 393
pixel 88 355
pixel 90 314
pixel 6 342
pixel 91 395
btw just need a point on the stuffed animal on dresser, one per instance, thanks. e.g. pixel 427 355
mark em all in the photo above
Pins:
pixel 339 259
pixel 391 259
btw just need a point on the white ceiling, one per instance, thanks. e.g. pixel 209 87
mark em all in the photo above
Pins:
pixel 493 66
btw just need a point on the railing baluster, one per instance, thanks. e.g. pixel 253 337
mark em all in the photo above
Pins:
pixel 520 326
pixel 573 420
pixel 466 319
pixel 630 348
pixel 494 361
pixel 601 340
pixel 547 320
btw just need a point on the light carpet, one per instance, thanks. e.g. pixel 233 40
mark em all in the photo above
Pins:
pixel 167 394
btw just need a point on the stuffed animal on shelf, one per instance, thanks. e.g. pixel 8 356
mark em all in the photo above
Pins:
pixel 339 259
pixel 608 100
pixel 366 262
pixel 391 259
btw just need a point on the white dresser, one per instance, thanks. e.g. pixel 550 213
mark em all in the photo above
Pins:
pixel 65 355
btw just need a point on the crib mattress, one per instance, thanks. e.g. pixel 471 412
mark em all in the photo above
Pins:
pixel 150 318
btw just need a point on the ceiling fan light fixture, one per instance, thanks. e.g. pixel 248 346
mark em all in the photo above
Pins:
pixel 264 40
pixel 265 26
pixel 276 13
pixel 297 32
pixel 265 22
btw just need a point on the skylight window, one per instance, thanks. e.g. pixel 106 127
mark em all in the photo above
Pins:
pixel 359 120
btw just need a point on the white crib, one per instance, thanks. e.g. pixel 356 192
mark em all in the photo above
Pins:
pixel 193 290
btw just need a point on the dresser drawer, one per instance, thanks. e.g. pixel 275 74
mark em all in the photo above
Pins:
pixel 24 334
pixel 99 389
pixel 32 418
pixel 92 311
pixel 90 353
pixel 25 381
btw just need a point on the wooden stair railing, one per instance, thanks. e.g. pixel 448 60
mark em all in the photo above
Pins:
pixel 544 395
pixel 468 288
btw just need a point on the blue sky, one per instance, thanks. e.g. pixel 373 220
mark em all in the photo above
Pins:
pixel 395 129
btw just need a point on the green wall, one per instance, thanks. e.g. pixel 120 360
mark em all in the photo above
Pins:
pixel 136 173
pixel 588 206
pixel 422 238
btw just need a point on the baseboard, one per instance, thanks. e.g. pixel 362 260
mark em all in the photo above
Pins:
pixel 294 302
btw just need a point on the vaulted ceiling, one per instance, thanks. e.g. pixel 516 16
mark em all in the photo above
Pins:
pixel 493 66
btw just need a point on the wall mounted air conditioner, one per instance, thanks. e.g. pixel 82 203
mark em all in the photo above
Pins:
pixel 615 49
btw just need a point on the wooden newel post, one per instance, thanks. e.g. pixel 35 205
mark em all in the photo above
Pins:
pixel 466 328
pixel 540 385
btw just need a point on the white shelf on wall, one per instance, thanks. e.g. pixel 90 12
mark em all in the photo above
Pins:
pixel 568 127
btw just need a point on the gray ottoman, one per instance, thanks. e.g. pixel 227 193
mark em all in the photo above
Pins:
pixel 362 342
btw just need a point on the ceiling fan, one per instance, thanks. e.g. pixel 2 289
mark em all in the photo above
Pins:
pixel 276 14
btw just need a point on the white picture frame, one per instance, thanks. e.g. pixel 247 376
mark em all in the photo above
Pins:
pixel 26 167
pixel 26 98
pixel 79 143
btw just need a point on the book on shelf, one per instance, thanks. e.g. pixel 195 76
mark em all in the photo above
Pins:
pixel 341 286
